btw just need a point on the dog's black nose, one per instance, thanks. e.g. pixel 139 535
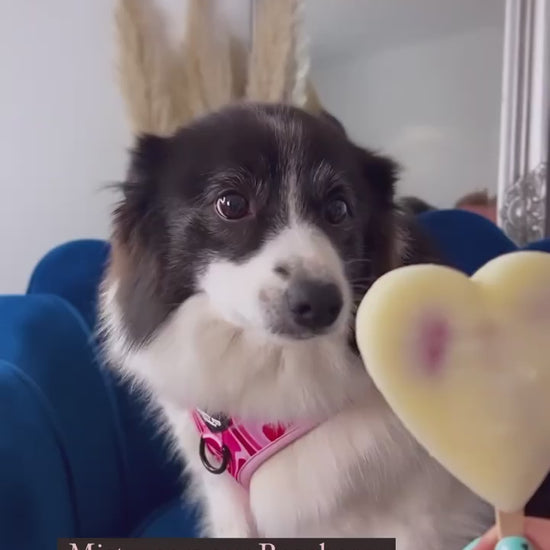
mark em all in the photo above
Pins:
pixel 314 304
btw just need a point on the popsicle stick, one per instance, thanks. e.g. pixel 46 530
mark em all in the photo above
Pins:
pixel 509 524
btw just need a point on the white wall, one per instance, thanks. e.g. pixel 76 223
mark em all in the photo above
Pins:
pixel 423 88
pixel 63 131
pixel 429 98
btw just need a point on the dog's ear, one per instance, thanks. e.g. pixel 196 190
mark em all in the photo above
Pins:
pixel 136 245
pixel 147 158
pixel 333 121
pixel 384 240
pixel 414 205
pixel 393 236
pixel 140 188
pixel 381 173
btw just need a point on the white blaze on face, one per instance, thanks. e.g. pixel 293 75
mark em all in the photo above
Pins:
pixel 251 293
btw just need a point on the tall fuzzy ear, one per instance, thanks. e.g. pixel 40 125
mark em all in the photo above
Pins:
pixel 381 173
pixel 136 210
pixel 393 235
pixel 132 268
pixel 385 236
pixel 136 258
pixel 147 156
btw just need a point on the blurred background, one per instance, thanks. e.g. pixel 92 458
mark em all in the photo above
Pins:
pixel 417 79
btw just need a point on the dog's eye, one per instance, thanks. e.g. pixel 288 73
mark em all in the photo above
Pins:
pixel 232 206
pixel 336 211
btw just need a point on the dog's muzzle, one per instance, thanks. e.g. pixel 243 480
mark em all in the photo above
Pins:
pixel 313 305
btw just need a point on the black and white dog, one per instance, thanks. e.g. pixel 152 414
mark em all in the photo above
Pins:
pixel 241 248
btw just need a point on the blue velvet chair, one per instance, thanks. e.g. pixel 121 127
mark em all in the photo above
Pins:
pixel 78 454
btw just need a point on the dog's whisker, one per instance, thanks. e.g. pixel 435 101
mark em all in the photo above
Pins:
pixel 363 280
pixel 358 260
pixel 366 277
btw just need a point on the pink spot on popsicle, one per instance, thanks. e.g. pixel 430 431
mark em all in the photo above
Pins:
pixel 435 336
pixel 538 308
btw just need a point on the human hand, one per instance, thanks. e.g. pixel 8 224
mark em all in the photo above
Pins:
pixel 536 537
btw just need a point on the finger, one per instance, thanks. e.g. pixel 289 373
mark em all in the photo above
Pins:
pixel 472 544
pixel 537 530
pixel 488 541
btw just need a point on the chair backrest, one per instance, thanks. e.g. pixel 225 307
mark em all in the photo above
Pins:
pixel 465 240
pixel 73 272
pixel 68 476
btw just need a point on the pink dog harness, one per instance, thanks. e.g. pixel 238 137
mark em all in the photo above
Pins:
pixel 241 449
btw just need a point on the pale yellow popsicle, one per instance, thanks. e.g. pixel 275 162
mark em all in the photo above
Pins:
pixel 465 365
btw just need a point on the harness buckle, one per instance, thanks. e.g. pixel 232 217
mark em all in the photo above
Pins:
pixel 226 457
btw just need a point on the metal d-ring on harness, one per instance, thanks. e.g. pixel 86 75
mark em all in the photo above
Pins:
pixel 216 424
pixel 227 444
pixel 226 457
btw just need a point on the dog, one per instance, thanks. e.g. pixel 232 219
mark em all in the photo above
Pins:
pixel 241 248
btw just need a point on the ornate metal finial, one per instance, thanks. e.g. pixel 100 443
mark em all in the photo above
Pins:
pixel 523 210
pixel 522 195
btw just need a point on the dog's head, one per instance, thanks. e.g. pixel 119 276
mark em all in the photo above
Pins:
pixel 270 212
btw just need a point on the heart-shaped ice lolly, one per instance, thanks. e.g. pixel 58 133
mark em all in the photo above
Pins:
pixel 465 364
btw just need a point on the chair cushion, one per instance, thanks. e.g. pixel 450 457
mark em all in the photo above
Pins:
pixel 543 245
pixel 114 459
pixel 38 495
pixel 466 240
pixel 73 271
pixel 171 520
pixel 64 422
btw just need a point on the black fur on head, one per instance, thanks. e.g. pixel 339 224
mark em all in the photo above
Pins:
pixel 281 159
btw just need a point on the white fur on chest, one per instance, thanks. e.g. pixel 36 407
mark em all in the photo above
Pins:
pixel 359 474
pixel 356 475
